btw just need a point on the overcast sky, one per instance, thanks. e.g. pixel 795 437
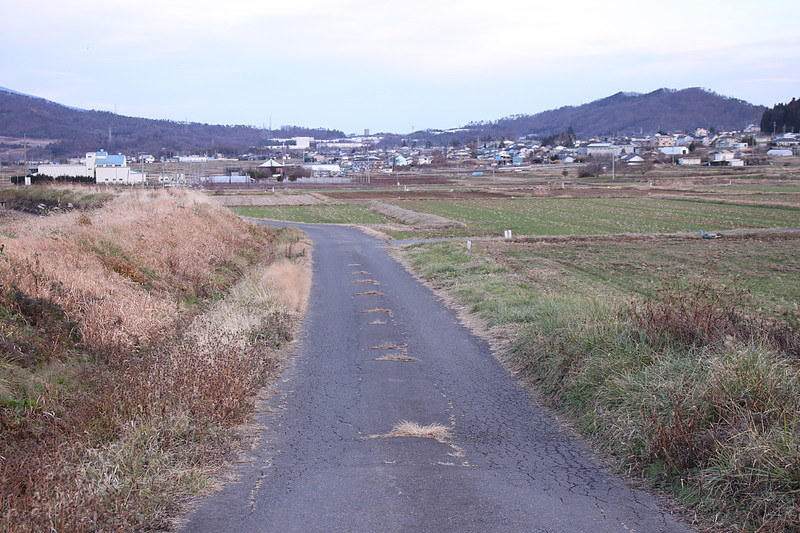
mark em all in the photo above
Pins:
pixel 389 66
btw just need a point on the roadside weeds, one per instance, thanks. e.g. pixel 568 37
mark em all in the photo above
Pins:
pixel 693 399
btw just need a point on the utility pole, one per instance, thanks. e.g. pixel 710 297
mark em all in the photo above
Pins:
pixel 613 169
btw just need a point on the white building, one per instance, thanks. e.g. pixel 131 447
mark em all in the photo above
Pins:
pixel 59 171
pixel 674 150
pixel 101 166
pixel 303 142
pixel 324 170
pixel 690 160
pixel 785 152
pixel 724 158
pixel 601 149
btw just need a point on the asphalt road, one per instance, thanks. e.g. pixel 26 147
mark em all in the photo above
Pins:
pixel 506 467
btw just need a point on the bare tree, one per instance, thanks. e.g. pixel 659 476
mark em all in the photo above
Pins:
pixel 296 171
pixel 594 167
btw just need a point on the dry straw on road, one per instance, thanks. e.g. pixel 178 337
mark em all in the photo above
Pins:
pixel 404 428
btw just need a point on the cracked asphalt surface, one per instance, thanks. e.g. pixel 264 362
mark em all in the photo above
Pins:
pixel 506 467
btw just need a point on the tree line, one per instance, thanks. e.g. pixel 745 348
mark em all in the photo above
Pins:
pixel 782 118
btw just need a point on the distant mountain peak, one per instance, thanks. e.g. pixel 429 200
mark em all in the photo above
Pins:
pixel 627 113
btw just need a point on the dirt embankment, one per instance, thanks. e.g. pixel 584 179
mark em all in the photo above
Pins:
pixel 413 218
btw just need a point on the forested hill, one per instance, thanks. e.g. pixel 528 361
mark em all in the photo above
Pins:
pixel 782 118
pixel 78 130
pixel 627 113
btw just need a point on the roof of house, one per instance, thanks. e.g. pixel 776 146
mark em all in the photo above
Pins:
pixel 109 159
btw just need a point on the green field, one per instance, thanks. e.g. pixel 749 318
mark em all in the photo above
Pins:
pixel 597 216
pixel 558 216
pixel 767 268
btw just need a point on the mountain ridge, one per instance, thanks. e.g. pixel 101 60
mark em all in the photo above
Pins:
pixel 622 113
pixel 626 113
pixel 78 131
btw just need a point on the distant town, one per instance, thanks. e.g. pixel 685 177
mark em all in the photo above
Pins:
pixel 306 159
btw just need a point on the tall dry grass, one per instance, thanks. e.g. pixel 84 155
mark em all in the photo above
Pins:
pixel 134 338
pixel 691 388
pixel 685 389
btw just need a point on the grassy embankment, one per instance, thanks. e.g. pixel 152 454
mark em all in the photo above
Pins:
pixel 38 200
pixel 659 354
pixel 133 340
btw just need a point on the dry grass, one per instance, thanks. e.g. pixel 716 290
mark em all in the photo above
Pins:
pixel 397 357
pixel 401 356
pixel 292 283
pixel 139 247
pixel 370 293
pixel 389 346
pixel 123 367
pixel 370 281
pixel 404 428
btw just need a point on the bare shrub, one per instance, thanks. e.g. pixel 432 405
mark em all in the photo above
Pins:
pixel 594 168
pixel 678 439
pixel 702 313
pixel 695 314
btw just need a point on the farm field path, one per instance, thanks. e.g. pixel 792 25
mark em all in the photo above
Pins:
pixel 378 348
